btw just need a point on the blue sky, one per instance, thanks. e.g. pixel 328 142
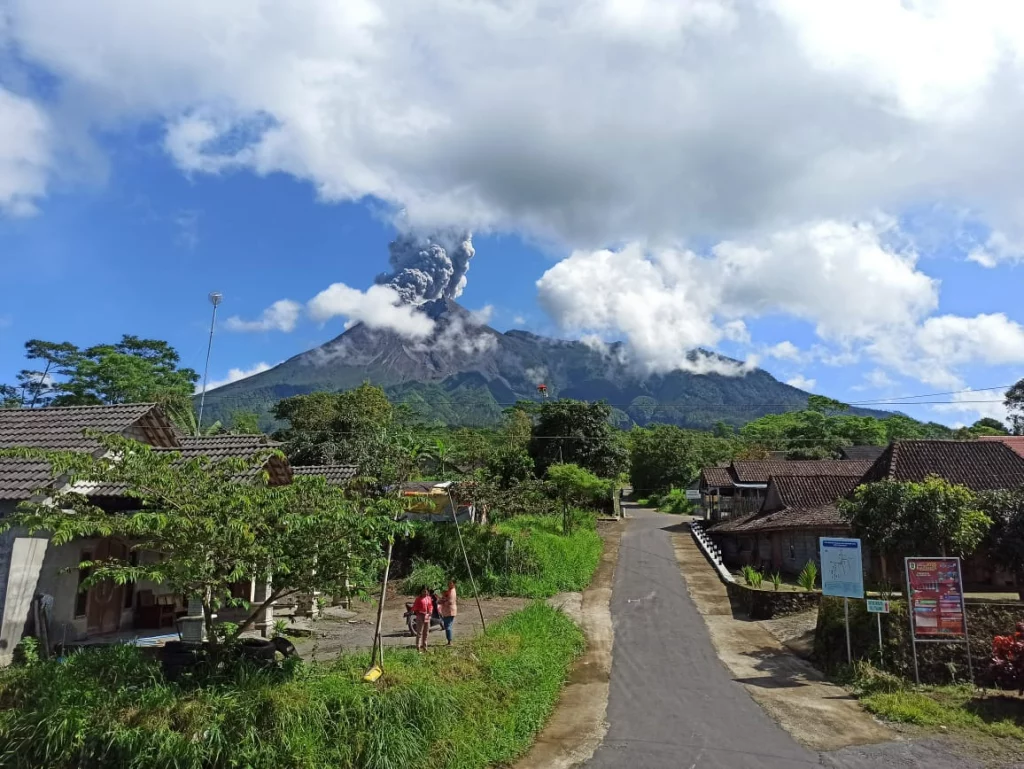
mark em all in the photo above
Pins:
pixel 850 222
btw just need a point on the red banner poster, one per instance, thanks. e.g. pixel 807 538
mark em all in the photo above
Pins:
pixel 936 598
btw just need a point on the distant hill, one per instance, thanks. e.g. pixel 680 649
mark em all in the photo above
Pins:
pixel 466 373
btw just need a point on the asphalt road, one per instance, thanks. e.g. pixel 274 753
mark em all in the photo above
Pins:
pixel 672 703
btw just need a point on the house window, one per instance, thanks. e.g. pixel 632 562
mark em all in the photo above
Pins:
pixel 82 596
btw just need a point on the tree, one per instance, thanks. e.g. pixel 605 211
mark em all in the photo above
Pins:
pixel 509 466
pixel 577 432
pixel 214 523
pixel 818 432
pixel 1006 538
pixel 244 423
pixel 1015 407
pixel 933 517
pixel 664 456
pixel 988 426
pixel 576 487
pixel 353 427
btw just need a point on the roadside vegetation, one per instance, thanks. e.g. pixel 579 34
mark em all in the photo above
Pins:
pixel 474 706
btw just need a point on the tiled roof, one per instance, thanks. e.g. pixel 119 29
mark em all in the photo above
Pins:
pixel 978 465
pixel 759 471
pixel 732 524
pixel 803 502
pixel 61 428
pixel 715 476
pixel 221 446
pixel 336 475
pixel 802 491
pixel 868 453
pixel 821 517
pixel 1015 442
pixel 19 478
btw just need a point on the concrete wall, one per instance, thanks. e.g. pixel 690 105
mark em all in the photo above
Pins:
pixel 21 561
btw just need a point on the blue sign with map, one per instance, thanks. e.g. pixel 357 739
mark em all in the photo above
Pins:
pixel 842 573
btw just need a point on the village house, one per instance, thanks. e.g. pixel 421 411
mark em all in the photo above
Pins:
pixel 34 571
pixel 739 489
pixel 798 508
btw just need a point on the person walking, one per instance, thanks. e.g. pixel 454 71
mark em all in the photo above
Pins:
pixel 422 607
pixel 449 608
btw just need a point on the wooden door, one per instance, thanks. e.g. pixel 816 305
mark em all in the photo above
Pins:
pixel 105 600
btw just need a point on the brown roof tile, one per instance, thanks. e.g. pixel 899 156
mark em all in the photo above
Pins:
pixel 336 475
pixel 1015 442
pixel 759 471
pixel 20 478
pixel 978 465
pixel 715 476
pixel 868 453
pixel 62 428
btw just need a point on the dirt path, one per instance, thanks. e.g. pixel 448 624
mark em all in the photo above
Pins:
pixel 820 715
pixel 341 631
pixel 578 724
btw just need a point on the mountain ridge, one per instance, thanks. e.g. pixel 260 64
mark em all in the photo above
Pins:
pixel 466 372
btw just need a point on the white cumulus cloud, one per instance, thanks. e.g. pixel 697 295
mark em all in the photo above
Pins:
pixel 784 350
pixel 801 382
pixel 379 307
pixel 234 375
pixel 25 153
pixel 282 315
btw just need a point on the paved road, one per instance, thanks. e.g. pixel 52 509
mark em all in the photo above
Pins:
pixel 673 704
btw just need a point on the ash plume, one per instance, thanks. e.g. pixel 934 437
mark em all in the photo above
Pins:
pixel 429 266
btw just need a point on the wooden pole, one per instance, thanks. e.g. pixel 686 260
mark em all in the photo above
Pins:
pixel 476 593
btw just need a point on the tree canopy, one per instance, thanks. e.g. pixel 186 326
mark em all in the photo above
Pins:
pixel 1015 407
pixel 665 456
pixel 133 370
pixel 577 432
pixel 934 517
pixel 1006 538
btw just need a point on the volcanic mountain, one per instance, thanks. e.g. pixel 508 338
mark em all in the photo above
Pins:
pixel 466 372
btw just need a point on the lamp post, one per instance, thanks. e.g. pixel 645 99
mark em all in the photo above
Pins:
pixel 216 297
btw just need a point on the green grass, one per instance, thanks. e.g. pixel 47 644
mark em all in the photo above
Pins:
pixel 476 705
pixel 958 708
pixel 526 556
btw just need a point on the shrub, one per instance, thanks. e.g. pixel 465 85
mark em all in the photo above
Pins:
pixel 111 708
pixel 776 581
pixel 1007 663
pixel 424 574
pixel 808 577
pixel 675 501
pixel 752 576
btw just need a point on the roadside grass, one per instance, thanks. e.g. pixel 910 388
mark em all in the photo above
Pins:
pixel 526 556
pixel 476 705
pixel 956 708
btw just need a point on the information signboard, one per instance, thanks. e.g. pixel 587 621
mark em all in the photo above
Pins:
pixel 877 606
pixel 842 572
pixel 936 599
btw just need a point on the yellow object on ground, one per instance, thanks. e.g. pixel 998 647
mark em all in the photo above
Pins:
pixel 373 674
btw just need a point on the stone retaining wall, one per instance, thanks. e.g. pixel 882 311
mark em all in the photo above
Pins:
pixel 767 604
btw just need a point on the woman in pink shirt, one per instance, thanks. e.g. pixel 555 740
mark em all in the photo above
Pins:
pixel 422 607
pixel 449 606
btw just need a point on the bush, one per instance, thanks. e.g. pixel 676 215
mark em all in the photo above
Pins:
pixel 111 708
pixel 675 501
pixel 752 576
pixel 1007 663
pixel 424 574
pixel 526 556
pixel 776 581
pixel 808 577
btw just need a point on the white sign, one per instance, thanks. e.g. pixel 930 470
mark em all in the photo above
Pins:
pixel 842 572
pixel 877 606
pixel 692 494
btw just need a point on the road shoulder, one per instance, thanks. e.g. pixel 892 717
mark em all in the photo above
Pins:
pixel 578 724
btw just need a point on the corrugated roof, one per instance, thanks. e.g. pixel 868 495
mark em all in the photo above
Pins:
pixel 978 465
pixel 336 475
pixel 864 453
pixel 760 470
pixel 1015 442
pixel 62 428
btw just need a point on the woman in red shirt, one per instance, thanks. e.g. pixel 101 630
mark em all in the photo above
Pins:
pixel 422 607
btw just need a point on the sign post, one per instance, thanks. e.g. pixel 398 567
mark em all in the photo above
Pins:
pixel 878 608
pixel 842 575
pixel 935 603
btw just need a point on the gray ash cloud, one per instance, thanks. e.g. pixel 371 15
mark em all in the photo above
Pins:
pixel 428 266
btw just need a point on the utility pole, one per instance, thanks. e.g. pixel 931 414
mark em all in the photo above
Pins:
pixel 216 297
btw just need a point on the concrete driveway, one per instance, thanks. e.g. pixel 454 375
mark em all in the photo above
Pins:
pixel 674 705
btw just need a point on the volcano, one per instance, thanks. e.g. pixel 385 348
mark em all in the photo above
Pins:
pixel 466 373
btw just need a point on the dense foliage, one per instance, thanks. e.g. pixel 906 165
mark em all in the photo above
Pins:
pixel 664 456
pixel 1006 537
pixel 214 523
pixel 463 709
pixel 579 433
pixel 529 556
pixel 933 517
pixel 1007 663
pixel 133 370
